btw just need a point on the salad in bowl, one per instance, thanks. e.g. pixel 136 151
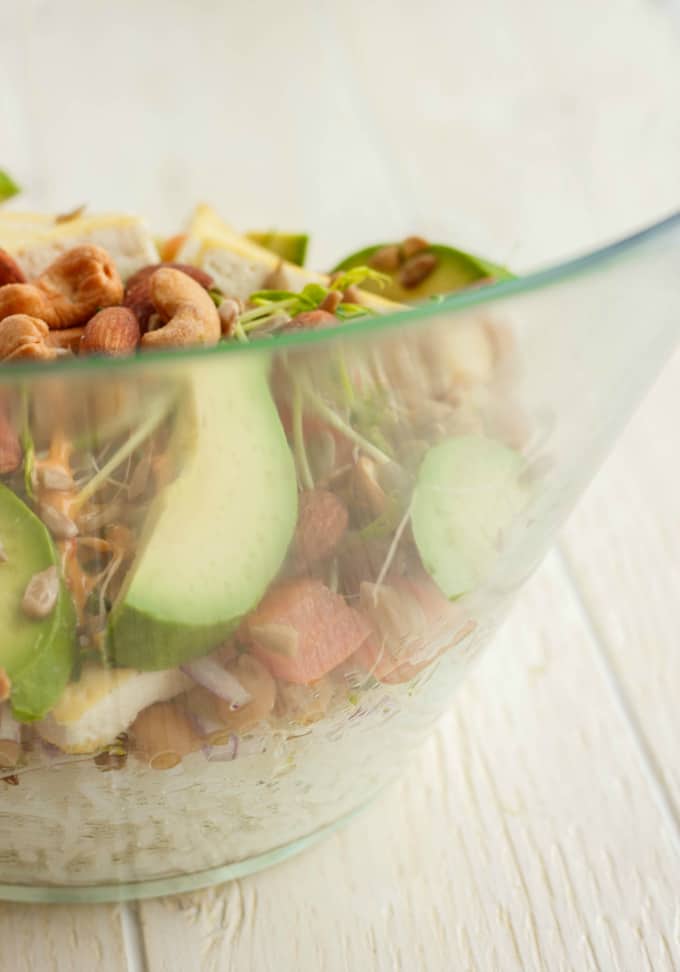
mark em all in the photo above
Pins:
pixel 248 536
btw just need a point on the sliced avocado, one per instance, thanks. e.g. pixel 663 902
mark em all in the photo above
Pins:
pixel 219 533
pixel 8 186
pixel 37 655
pixel 467 492
pixel 289 246
pixel 453 270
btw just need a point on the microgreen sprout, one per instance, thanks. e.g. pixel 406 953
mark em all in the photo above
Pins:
pixel 268 305
pixel 27 444
pixel 142 432
pixel 358 275
pixel 301 458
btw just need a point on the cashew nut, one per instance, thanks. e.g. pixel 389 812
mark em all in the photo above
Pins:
pixel 67 339
pixel 78 283
pixel 259 684
pixel 163 734
pixel 257 681
pixel 70 290
pixel 188 310
pixel 25 299
pixel 24 337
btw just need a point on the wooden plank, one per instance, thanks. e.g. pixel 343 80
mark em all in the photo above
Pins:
pixel 525 837
pixel 623 548
pixel 61 938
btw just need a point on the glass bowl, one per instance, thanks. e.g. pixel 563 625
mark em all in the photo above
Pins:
pixel 286 556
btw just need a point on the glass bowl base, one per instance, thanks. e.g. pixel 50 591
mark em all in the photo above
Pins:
pixel 179 884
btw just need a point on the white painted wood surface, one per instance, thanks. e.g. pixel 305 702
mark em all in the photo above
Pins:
pixel 538 829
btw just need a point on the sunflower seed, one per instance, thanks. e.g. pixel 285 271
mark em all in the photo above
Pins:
pixel 40 596
pixel 60 526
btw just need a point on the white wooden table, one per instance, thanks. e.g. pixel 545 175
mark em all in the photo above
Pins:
pixel 538 829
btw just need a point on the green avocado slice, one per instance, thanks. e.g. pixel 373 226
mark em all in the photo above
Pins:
pixel 454 270
pixel 8 186
pixel 218 534
pixel 37 655
pixel 289 246
pixel 467 492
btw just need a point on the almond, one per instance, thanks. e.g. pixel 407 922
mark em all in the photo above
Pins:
pixel 138 289
pixel 113 331
pixel 387 259
pixel 411 245
pixel 10 271
pixel 417 269
pixel 321 525
pixel 311 321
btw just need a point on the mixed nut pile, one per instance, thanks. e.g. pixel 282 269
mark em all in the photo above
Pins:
pixel 80 305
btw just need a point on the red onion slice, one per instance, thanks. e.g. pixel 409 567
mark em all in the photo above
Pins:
pixel 212 676
pixel 225 753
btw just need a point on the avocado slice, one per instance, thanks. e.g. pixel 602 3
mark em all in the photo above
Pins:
pixel 8 186
pixel 218 534
pixel 37 655
pixel 468 491
pixel 453 270
pixel 289 246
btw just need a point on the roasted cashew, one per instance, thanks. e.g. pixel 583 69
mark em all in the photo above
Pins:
pixel 163 734
pixel 71 289
pixel 24 299
pixel 25 337
pixel 187 308
pixel 260 685
pixel 78 283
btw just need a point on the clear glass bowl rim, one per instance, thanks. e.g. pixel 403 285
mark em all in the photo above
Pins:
pixel 551 276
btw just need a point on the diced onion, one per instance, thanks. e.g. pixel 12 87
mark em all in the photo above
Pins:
pixel 216 679
pixel 223 753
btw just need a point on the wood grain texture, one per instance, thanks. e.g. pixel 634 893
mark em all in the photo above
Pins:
pixel 525 837
pixel 57 938
pixel 623 548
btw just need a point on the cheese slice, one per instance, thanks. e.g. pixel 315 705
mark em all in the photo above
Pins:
pixel 35 239
pixel 239 266
pixel 104 702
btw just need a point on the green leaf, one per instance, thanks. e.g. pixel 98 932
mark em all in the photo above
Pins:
pixel 358 275
pixel 272 296
pixel 8 186
pixel 309 298
pixel 346 312
pixel 314 293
